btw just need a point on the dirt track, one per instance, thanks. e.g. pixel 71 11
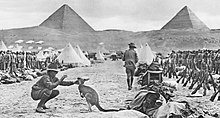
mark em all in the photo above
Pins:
pixel 107 78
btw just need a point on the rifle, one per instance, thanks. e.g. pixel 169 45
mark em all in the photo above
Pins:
pixel 200 85
pixel 214 95
pixel 194 81
pixel 213 82
pixel 183 75
pixel 190 76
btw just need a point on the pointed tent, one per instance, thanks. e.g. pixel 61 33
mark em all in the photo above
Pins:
pixel 40 56
pixel 3 46
pixel 69 56
pixel 146 55
pixel 67 20
pixel 185 19
pixel 138 49
pixel 82 56
pixel 99 56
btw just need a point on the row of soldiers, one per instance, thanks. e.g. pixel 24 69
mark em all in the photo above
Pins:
pixel 200 66
pixel 203 59
pixel 13 61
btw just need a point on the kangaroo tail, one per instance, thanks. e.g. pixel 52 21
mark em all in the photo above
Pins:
pixel 105 110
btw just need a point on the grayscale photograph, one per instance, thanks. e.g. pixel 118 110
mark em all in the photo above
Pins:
pixel 110 59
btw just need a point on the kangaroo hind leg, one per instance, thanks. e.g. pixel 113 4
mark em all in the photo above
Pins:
pixel 89 106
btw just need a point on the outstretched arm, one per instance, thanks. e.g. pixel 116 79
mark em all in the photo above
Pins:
pixel 66 83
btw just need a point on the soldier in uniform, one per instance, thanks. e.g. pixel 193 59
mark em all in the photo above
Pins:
pixel 44 88
pixel 130 58
pixel 1 60
pixel 7 60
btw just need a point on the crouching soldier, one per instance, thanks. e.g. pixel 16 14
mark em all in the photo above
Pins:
pixel 43 89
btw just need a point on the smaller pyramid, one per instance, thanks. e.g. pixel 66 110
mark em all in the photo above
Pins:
pixel 185 19
pixel 69 56
pixel 67 20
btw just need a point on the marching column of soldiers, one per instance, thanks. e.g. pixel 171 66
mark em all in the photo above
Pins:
pixel 200 66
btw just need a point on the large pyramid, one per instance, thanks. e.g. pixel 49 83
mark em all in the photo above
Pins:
pixel 185 19
pixel 67 20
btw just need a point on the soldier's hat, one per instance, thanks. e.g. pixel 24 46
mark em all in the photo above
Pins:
pixel 53 67
pixel 132 45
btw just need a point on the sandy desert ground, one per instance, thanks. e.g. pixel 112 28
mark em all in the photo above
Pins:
pixel 108 79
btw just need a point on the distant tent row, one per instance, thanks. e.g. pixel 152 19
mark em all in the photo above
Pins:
pixel 70 56
pixel 29 42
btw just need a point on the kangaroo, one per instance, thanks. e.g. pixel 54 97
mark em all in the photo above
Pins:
pixel 90 94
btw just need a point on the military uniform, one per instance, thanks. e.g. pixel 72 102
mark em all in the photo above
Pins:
pixel 130 58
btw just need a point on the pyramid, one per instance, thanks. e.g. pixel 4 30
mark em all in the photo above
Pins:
pixel 185 19
pixel 69 56
pixel 66 20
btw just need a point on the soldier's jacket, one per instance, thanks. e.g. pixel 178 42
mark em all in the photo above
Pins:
pixel 7 58
pixel 1 58
pixel 130 58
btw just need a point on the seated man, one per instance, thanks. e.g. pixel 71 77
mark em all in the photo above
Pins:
pixel 43 89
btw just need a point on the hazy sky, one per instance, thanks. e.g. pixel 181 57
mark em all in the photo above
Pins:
pixel 133 15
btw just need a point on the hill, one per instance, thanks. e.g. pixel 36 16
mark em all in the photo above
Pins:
pixel 159 40
pixel 163 40
pixel 51 37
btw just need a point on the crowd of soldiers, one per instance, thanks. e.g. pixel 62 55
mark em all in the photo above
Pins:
pixel 11 62
pixel 200 66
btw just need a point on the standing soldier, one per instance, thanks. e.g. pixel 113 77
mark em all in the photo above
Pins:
pixel 12 67
pixel 130 58
pixel 7 60
pixel 1 60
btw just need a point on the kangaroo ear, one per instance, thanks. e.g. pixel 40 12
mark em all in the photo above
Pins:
pixel 86 79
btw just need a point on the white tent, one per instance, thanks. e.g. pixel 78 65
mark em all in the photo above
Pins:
pixel 30 47
pixel 19 41
pixel 40 56
pixel 50 48
pixel 3 46
pixel 10 46
pixel 146 55
pixel 30 41
pixel 69 56
pixel 39 42
pixel 82 56
pixel 39 48
pixel 138 49
pixel 100 56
